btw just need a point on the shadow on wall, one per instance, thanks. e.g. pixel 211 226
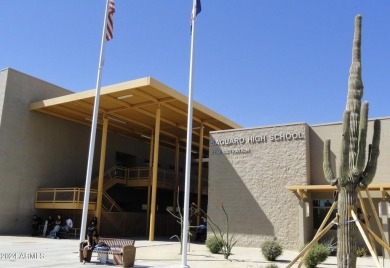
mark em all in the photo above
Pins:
pixel 317 159
pixel 245 215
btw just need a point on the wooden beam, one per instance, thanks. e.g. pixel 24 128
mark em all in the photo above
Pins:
pixel 315 239
pixel 101 170
pixel 320 229
pixel 154 178
pixel 373 253
pixel 364 211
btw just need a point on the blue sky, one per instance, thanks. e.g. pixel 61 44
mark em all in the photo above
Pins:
pixel 256 62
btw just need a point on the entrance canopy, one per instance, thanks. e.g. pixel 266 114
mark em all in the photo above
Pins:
pixel 131 109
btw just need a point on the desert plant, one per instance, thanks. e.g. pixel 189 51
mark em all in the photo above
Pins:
pixel 319 253
pixel 272 265
pixel 179 219
pixel 214 244
pixel 228 241
pixel 354 172
pixel 361 252
pixel 330 244
pixel 271 250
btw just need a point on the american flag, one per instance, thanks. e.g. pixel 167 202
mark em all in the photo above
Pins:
pixel 110 24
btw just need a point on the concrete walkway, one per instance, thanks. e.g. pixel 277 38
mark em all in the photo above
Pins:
pixel 16 251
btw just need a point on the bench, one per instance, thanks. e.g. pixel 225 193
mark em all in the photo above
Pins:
pixel 73 231
pixel 63 234
pixel 122 249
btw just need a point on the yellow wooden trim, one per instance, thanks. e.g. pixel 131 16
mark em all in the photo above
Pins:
pixel 319 230
pixel 368 244
pixel 330 188
pixel 364 211
pixel 101 170
pixel 380 241
pixel 154 178
pixel 378 222
pixel 315 239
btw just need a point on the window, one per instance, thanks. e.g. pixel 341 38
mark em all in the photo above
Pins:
pixel 320 209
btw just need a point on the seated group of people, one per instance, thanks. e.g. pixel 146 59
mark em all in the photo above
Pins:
pixel 54 229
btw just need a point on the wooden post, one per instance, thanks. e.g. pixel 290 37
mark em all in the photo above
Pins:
pixel 101 171
pixel 380 241
pixel 376 216
pixel 315 239
pixel 155 173
pixel 150 183
pixel 364 211
pixel 176 189
pixel 200 166
pixel 373 254
pixel 319 230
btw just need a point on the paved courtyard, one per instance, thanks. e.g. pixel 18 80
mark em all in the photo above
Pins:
pixel 18 251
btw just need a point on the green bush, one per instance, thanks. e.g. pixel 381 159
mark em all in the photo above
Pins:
pixel 271 250
pixel 329 243
pixel 361 252
pixel 271 266
pixel 319 253
pixel 214 244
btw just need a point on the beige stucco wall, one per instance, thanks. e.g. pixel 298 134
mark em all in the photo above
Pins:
pixel 36 150
pixel 319 133
pixel 251 184
pixel 39 150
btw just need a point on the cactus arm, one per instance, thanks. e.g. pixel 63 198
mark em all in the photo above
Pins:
pixel 327 163
pixel 370 170
pixel 361 156
pixel 344 159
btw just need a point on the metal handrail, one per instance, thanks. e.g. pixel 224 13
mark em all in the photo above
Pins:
pixel 137 173
pixel 63 195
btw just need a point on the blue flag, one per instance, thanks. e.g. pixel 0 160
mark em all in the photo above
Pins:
pixel 195 11
pixel 198 7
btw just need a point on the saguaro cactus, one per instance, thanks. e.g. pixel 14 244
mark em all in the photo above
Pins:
pixel 354 173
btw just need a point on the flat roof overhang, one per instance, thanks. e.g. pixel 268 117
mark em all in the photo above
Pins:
pixel 131 108
pixel 302 190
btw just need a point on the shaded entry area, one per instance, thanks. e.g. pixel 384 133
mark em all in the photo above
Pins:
pixel 125 160
pixel 147 112
pixel 125 207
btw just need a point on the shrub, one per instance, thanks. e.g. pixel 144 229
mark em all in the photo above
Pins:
pixel 330 244
pixel 271 266
pixel 271 250
pixel 319 253
pixel 226 239
pixel 214 244
pixel 361 252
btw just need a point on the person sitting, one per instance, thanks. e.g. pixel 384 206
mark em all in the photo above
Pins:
pixel 65 230
pixel 57 227
pixel 68 226
pixel 92 241
pixel 94 222
pixel 36 221
pixel 48 225
pixel 201 231
pixel 92 226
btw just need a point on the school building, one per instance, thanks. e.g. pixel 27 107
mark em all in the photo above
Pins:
pixel 269 178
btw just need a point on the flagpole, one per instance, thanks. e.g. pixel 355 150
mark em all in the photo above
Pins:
pixel 189 142
pixel 93 131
